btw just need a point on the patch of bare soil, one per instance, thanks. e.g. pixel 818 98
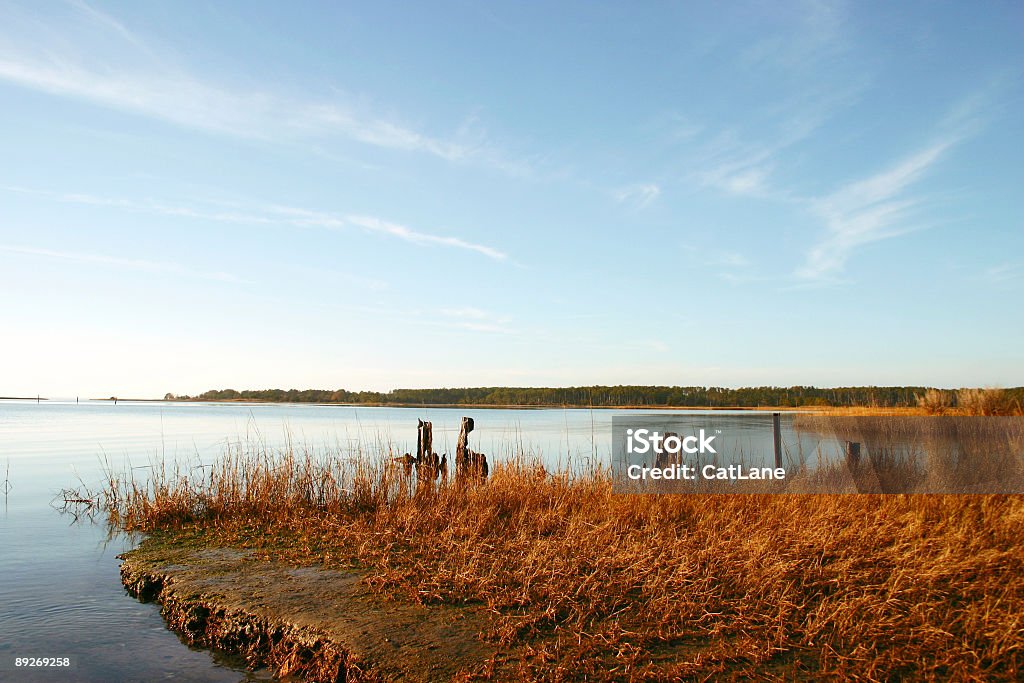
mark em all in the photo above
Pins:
pixel 314 623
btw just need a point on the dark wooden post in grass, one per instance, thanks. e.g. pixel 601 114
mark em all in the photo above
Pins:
pixel 467 461
pixel 419 440
pixel 665 456
pixel 462 446
pixel 428 464
pixel 424 441
pixel 852 453
pixel 777 429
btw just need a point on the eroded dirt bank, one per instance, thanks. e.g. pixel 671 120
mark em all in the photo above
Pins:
pixel 311 623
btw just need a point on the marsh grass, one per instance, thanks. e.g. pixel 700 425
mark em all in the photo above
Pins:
pixel 984 402
pixel 920 454
pixel 584 584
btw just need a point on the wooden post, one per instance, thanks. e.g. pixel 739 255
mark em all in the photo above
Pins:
pixel 428 440
pixel 419 437
pixel 665 457
pixel 468 462
pixel 428 464
pixel 777 429
pixel 424 441
pixel 852 453
pixel 462 445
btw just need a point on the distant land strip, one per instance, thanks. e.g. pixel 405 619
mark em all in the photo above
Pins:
pixel 612 396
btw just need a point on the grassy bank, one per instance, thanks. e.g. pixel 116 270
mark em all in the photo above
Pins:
pixel 583 584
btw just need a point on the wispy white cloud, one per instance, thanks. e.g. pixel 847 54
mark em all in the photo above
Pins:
pixel 729 259
pixel 157 267
pixel 802 43
pixel 874 208
pixel 477 320
pixel 744 178
pixel 92 56
pixel 484 327
pixel 145 206
pixel 741 162
pixel 322 119
pixel 468 312
pixel 808 32
pixel 271 215
pixel 108 22
pixel 306 217
pixel 639 195
pixel 402 232
pixel 866 211
pixel 715 257
pixel 1003 273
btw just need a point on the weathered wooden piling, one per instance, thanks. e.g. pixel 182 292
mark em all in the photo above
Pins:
pixel 852 453
pixel 666 456
pixel 428 464
pixel 406 460
pixel 462 446
pixel 467 461
pixel 424 440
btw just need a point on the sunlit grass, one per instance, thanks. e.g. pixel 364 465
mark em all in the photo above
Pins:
pixel 583 583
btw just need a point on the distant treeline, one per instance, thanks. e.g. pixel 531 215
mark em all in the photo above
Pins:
pixel 597 396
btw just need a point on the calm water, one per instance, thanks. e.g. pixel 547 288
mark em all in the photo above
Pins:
pixel 60 592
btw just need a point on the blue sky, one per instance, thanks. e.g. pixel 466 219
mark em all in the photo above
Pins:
pixel 379 195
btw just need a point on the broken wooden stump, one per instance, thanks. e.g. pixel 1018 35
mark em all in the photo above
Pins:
pixel 853 454
pixel 463 443
pixel 665 455
pixel 429 466
pixel 468 463
pixel 406 461
pixel 424 439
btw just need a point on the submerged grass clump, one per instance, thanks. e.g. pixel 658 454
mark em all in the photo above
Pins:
pixel 584 584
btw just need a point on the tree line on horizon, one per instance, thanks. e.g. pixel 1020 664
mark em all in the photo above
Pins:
pixel 600 396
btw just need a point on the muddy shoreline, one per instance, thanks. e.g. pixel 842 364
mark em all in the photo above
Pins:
pixel 307 623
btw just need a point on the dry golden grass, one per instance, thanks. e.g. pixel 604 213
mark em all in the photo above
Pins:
pixel 986 402
pixel 873 411
pixel 584 584
pixel 991 401
pixel 921 454
pixel 961 402
pixel 936 401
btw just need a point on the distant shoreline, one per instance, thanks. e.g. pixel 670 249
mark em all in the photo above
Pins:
pixel 894 399
pixel 850 410
pixel 835 410
pixel 474 406
pixel 830 410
